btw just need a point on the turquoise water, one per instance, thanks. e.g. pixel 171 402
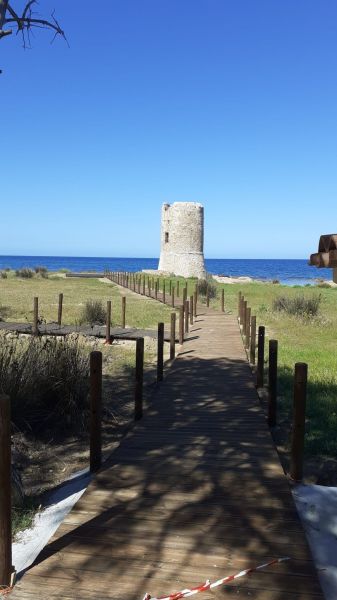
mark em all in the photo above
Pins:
pixel 289 272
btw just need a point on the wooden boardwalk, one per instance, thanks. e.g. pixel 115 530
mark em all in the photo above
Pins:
pixel 195 491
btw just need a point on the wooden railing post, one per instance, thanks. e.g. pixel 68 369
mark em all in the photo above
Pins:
pixel 272 383
pixel 298 432
pixel 195 300
pixel 260 357
pixel 244 321
pixel 239 306
pixel 222 300
pixel 5 493
pixel 59 312
pixel 173 336
pixel 187 314
pixel 139 378
pixel 36 316
pixel 178 288
pixel 108 322
pixel 123 311
pixel 95 411
pixel 191 310
pixel 181 325
pixel 252 340
pixel 172 296
pixel 241 311
pixel 156 289
pixel 247 332
pixel 184 295
pixel 207 296
pixel 160 352
pixel 164 292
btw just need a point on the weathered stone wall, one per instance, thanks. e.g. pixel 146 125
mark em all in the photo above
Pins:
pixel 182 239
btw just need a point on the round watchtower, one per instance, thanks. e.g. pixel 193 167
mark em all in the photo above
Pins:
pixel 182 239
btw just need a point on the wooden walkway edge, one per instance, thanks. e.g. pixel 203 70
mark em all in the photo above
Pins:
pixel 195 491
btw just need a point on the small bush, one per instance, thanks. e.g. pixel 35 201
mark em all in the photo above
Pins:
pixel 47 380
pixel 3 275
pixel 275 281
pixel 93 312
pixel 4 312
pixel 300 306
pixel 40 269
pixel 207 284
pixel 25 273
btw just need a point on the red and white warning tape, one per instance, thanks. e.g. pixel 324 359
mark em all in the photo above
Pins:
pixel 209 586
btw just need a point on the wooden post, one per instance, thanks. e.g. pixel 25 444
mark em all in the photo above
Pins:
pixel 222 300
pixel 244 317
pixel 195 300
pixel 253 340
pixel 95 411
pixel 143 292
pixel 59 314
pixel 173 336
pixel 207 297
pixel 191 310
pixel 184 295
pixel 239 306
pixel 123 311
pixel 187 313
pixel 272 383
pixel 139 379
pixel 298 432
pixel 260 357
pixel 160 352
pixel 247 332
pixel 170 287
pixel 164 292
pixel 181 324
pixel 156 289
pixel 178 288
pixel 172 296
pixel 5 492
pixel 108 322
pixel 241 311
pixel 36 316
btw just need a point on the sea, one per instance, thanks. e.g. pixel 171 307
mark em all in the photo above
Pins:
pixel 286 271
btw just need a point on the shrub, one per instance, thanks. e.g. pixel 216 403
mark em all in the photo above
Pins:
pixel 3 275
pixel 40 269
pixel 4 312
pixel 300 306
pixel 207 284
pixel 93 312
pixel 25 273
pixel 47 380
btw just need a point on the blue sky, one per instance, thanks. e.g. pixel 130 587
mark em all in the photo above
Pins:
pixel 228 103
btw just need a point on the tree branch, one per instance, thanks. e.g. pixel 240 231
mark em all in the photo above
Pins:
pixel 25 22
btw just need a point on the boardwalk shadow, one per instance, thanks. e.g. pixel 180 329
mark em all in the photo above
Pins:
pixel 195 491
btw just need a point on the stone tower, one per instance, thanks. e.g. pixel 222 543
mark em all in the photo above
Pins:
pixel 182 239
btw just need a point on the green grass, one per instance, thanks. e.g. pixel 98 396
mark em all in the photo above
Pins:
pixel 310 340
pixel 17 296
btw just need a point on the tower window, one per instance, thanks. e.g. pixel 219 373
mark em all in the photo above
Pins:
pixel 166 237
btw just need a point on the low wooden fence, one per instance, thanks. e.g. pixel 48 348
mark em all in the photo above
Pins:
pixel 247 323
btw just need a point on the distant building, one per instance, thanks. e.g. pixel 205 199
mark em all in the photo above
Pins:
pixel 182 239
pixel 327 254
